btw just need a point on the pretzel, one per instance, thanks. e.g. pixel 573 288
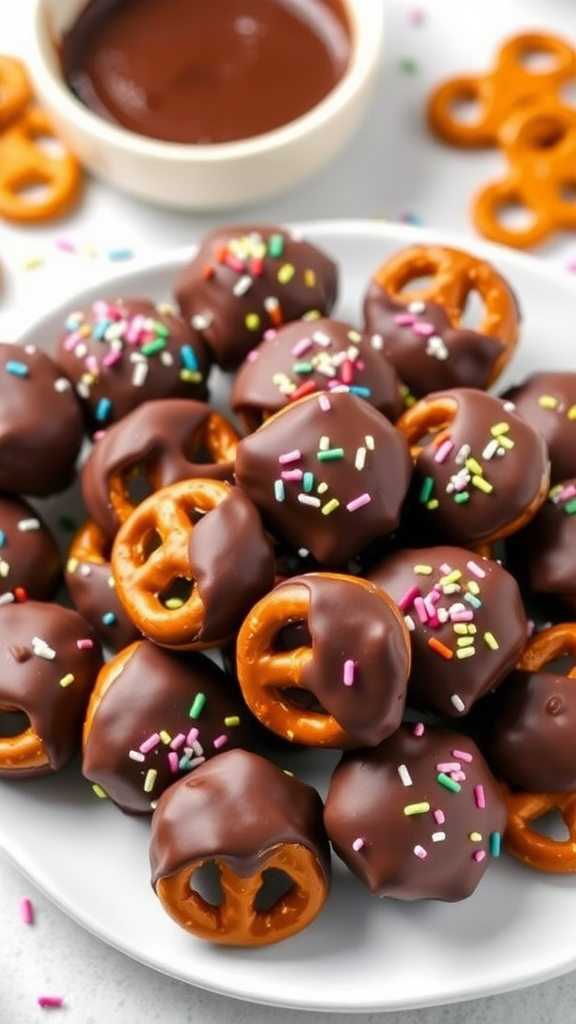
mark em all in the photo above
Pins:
pixel 15 89
pixel 25 752
pixel 454 275
pixel 302 693
pixel 548 644
pixel 556 856
pixel 501 91
pixel 539 142
pixel 24 164
pixel 144 574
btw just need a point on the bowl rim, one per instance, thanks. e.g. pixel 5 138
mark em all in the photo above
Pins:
pixel 367 26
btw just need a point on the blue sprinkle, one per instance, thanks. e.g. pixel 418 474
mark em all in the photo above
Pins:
pixel 362 392
pixel 495 843
pixel 189 359
pixel 103 409
pixel 307 482
pixel 120 254
pixel 100 328
pixel 109 619
pixel 2 538
pixel 473 600
pixel 16 369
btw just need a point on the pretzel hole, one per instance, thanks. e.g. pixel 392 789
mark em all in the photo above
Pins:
pixel 205 882
pixel 473 311
pixel 291 636
pixel 466 108
pixel 150 542
pixel 34 187
pixel 422 284
pixel 539 61
pixel 49 145
pixel 276 884
pixel 514 215
pixel 544 133
pixel 302 699
pixel 13 722
pixel 551 825
pixel 177 594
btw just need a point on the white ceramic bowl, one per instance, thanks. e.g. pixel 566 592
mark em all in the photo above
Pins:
pixel 210 177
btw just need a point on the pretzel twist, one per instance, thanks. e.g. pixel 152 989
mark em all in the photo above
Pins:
pixel 25 164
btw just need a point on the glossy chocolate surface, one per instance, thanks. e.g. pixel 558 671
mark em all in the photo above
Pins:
pixel 202 72
pixel 329 474
pixel 548 402
pixel 543 555
pixel 41 427
pixel 245 279
pixel 301 358
pixel 414 817
pixel 145 698
pixel 30 561
pixel 236 808
pixel 160 442
pixel 466 620
pixel 50 660
pixel 120 352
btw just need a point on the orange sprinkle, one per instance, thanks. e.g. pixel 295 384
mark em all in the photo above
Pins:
pixel 207 271
pixel 440 648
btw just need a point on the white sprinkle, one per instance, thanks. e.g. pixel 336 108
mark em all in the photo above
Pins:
pixel 309 499
pixel 135 755
pixel 457 702
pixel 416 307
pixel 438 837
pixel 61 385
pixel 26 525
pixel 377 342
pixel 42 649
pixel 404 774
pixel 139 374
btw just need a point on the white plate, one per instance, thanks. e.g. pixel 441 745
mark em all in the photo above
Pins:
pixel 362 954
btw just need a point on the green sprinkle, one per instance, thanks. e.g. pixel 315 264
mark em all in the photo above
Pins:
pixel 197 705
pixel 330 454
pixel 448 783
pixel 307 482
pixel 409 65
pixel 160 329
pixel 152 348
pixel 99 792
pixel 461 497
pixel 302 367
pixel 570 507
pixel 275 246
pixel 426 489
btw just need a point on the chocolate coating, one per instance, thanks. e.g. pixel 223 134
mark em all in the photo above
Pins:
pixel 300 358
pixel 236 808
pixel 146 693
pixel 30 559
pixel 543 555
pixel 159 442
pixel 39 652
pixel 41 427
pixel 548 402
pixel 489 478
pixel 466 619
pixel 531 739
pixel 245 279
pixel 427 351
pixel 397 825
pixel 354 496
pixel 120 352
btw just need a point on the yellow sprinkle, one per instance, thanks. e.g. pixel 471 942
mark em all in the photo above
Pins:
pixel 547 402
pixel 465 641
pixel 309 278
pixel 4 569
pixel 423 570
pixel 286 273
pixel 432 504
pixel 190 376
pixel 322 487
pixel 571 414
pixel 465 652
pixel 330 506
pixel 67 680
pixel 252 321
pixel 420 808
pixel 473 587
pixel 72 564
pixel 88 250
pixel 232 720
pixel 499 428
pixel 99 792
pixel 475 837
pixel 312 314
pixel 460 628
pixel 491 641
pixel 31 262
pixel 451 577
pixel 474 466
pixel 150 780
pixel 173 603
pixel 84 331
pixel 165 736
pixel 164 308
pixel 482 484
pixel 505 442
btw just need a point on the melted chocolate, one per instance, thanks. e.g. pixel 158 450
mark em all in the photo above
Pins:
pixel 145 696
pixel 236 808
pixel 245 279
pixel 30 562
pixel 331 505
pixel 467 623
pixel 203 72
pixel 548 402
pixel 41 428
pixel 417 816
pixel 543 555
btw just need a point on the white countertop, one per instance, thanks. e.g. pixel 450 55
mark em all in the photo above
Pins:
pixel 392 169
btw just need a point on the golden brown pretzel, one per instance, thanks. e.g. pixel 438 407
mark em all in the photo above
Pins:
pixel 539 142
pixel 150 556
pixel 237 921
pixel 548 644
pixel 557 856
pixel 15 89
pixel 501 91
pixel 25 164
pixel 453 275
pixel 23 752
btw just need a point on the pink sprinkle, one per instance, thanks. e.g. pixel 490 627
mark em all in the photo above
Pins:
pixel 72 340
pixel 458 776
pixel 419 729
pixel 461 616
pixel 302 346
pixel 65 245
pixel 475 569
pixel 530 627
pixel 98 435
pixel 26 911
pixel 567 492
pixel 407 600
pixel 362 499
pixel 85 644
pixel 405 319
pixel 448 766
pixel 420 852
pixel 173 761
pixel 463 755
pixel 50 1001
pixel 177 741
pixel 91 364
pixel 444 450
pixel 358 844
pixel 113 356
pixel 415 16
pixel 479 796
pixel 220 741
pixel 478 855
pixel 439 816
pixel 292 456
pixel 420 609
pixel 423 330
pixel 252 356
pixel 291 474
pixel 349 670
pixel 324 402
pixel 430 600
pixel 192 736
pixel 147 745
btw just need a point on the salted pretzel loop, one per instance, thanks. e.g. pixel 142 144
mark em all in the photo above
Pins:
pixel 15 88
pixel 556 856
pixel 237 921
pixel 23 751
pixel 548 644
pixel 216 435
pixel 145 574
pixel 539 142
pixel 25 164
pixel 453 275
pixel 89 544
pixel 509 84
pixel 429 416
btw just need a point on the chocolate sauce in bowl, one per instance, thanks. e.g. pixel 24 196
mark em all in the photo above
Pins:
pixel 205 71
